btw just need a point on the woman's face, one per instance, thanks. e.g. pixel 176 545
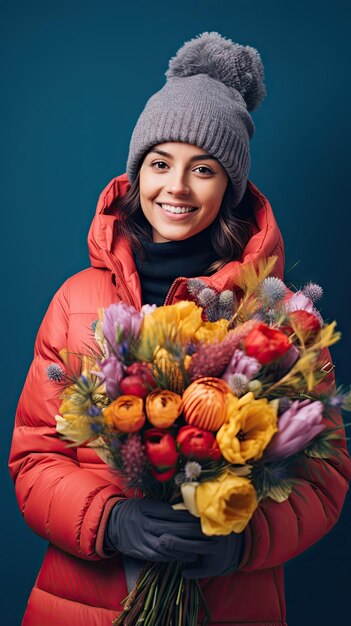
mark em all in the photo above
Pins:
pixel 181 190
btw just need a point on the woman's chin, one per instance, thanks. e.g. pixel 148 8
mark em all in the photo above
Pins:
pixel 171 234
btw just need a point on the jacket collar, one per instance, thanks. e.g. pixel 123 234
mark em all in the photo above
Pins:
pixel 115 255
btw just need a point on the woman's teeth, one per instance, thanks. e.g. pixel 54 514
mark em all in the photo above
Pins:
pixel 177 209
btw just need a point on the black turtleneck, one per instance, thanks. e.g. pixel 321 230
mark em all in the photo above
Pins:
pixel 164 262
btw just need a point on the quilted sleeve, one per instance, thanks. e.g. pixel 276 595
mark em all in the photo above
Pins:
pixel 65 504
pixel 278 532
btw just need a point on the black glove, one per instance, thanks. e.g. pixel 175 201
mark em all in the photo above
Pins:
pixel 222 557
pixel 148 529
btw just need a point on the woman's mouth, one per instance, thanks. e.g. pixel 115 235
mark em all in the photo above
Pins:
pixel 177 210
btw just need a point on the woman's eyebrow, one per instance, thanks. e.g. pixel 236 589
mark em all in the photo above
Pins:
pixel 197 157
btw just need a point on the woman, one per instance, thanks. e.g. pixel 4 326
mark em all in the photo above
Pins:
pixel 185 209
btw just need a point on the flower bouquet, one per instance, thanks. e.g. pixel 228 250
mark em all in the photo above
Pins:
pixel 208 404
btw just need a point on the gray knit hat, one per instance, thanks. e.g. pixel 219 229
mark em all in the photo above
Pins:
pixel 211 85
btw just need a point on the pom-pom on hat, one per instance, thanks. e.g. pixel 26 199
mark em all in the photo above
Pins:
pixel 212 84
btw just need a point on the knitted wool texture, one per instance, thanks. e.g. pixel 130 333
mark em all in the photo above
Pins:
pixel 211 85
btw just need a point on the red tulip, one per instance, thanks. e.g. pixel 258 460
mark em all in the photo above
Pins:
pixel 139 380
pixel 197 443
pixel 265 343
pixel 161 452
pixel 306 322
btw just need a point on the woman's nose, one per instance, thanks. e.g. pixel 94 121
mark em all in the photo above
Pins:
pixel 177 184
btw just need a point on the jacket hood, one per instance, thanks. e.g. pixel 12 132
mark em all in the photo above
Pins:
pixel 106 252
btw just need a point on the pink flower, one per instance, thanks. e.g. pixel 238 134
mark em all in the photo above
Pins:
pixel 297 427
pixel 240 363
pixel 146 309
pixel 299 302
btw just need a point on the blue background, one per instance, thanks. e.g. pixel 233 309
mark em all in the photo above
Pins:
pixel 76 75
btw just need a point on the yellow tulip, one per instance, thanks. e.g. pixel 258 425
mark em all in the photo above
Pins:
pixel 73 403
pixel 225 504
pixel 248 429
pixel 176 322
pixel 76 428
pixel 212 331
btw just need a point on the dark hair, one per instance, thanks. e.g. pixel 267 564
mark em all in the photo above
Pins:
pixel 230 232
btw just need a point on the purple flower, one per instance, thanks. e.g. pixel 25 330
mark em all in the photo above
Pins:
pixel 190 348
pixel 94 411
pixel 96 428
pixel 121 322
pixel 240 363
pixel 111 373
pixel 297 427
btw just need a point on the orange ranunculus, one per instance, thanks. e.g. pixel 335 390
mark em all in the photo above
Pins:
pixel 204 403
pixel 265 343
pixel 225 504
pixel 163 407
pixel 248 429
pixel 125 414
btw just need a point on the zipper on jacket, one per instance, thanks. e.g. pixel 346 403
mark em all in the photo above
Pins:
pixel 173 288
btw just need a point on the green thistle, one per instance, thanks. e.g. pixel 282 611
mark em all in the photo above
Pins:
pixel 274 480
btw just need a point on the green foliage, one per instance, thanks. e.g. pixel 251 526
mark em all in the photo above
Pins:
pixel 274 480
pixel 322 447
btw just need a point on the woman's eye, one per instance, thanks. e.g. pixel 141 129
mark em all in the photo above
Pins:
pixel 160 165
pixel 205 170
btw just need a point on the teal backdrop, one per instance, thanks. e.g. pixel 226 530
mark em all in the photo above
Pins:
pixel 75 76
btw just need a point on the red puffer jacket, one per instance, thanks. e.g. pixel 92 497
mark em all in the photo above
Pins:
pixel 66 493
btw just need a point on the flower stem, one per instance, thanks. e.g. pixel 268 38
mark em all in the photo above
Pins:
pixel 162 596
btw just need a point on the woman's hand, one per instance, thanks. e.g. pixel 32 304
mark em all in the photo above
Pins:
pixel 152 530
pixel 222 557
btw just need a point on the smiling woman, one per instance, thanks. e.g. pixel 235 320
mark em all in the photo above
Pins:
pixel 178 196
pixel 184 209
